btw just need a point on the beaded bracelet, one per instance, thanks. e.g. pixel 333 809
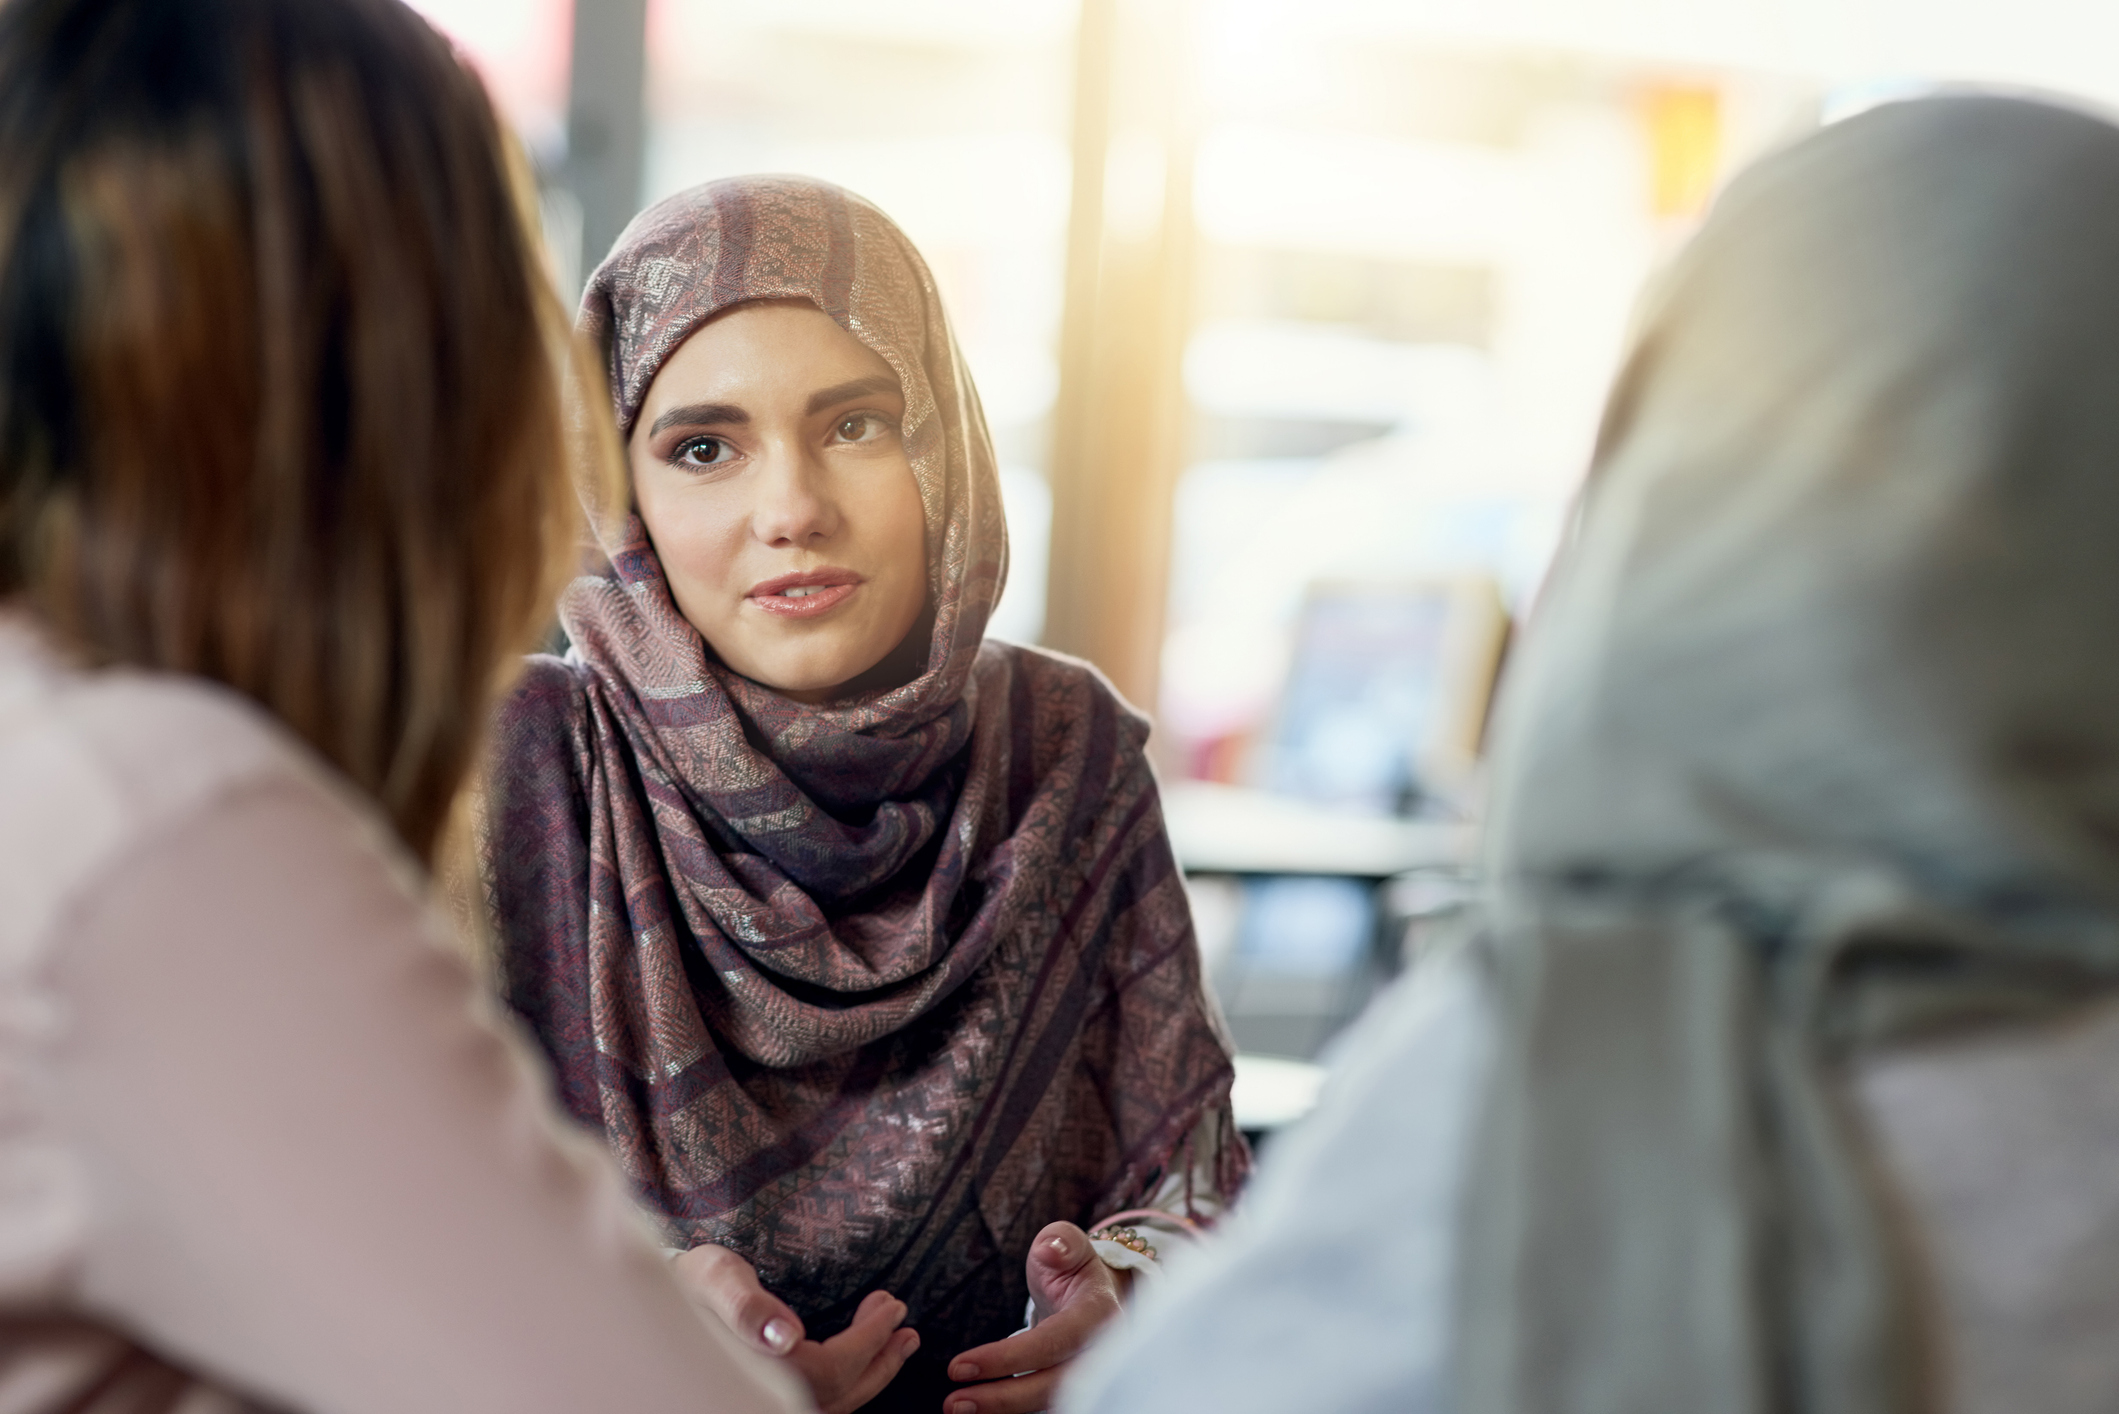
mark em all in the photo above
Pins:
pixel 1177 1220
pixel 1124 1237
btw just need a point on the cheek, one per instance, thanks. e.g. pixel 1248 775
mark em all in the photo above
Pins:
pixel 904 524
pixel 692 533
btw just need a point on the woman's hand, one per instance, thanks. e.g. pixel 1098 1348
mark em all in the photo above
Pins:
pixel 844 1372
pixel 1075 1294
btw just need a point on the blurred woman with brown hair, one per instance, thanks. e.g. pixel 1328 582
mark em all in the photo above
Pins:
pixel 282 480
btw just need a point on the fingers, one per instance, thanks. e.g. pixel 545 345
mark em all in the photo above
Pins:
pixel 880 1372
pixel 869 1332
pixel 846 1371
pixel 1063 1269
pixel 1062 1249
pixel 717 1280
pixel 1045 1344
pixel 1075 1294
pixel 1023 1396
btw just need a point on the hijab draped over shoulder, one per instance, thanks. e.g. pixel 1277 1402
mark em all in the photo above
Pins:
pixel 1814 747
pixel 868 992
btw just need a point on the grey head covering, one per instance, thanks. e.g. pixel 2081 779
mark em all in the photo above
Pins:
pixel 1814 745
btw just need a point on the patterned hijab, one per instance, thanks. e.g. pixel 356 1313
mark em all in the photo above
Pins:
pixel 1814 748
pixel 870 991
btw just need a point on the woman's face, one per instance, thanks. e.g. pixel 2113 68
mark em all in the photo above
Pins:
pixel 768 467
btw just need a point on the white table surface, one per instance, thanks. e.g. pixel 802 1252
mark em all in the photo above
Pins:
pixel 1222 829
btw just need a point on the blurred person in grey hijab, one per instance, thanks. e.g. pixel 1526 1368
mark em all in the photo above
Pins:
pixel 1779 1072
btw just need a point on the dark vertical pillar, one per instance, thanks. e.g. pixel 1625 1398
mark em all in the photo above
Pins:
pixel 607 120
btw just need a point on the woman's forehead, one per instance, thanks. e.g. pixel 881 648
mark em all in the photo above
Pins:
pixel 780 348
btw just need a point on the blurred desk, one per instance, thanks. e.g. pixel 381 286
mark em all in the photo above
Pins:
pixel 1220 829
pixel 1271 878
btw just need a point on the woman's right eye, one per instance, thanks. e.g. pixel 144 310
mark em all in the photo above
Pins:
pixel 702 451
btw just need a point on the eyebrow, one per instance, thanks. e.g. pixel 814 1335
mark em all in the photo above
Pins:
pixel 726 414
pixel 700 415
pixel 846 392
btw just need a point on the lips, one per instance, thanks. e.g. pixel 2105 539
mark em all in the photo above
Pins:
pixel 808 595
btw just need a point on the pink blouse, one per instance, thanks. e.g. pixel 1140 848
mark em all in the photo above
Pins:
pixel 257 1146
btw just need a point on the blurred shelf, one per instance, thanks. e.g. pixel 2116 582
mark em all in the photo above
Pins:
pixel 1221 829
pixel 1273 1092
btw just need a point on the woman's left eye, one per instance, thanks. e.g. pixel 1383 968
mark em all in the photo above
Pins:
pixel 861 427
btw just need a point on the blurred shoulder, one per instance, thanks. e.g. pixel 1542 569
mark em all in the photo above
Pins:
pixel 140 742
pixel 95 761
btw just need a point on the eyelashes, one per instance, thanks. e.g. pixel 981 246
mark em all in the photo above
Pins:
pixel 702 452
pixel 705 451
pixel 873 425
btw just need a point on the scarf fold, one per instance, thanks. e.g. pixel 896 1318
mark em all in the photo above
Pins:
pixel 1814 747
pixel 871 991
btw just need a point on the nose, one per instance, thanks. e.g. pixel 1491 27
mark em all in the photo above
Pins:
pixel 795 508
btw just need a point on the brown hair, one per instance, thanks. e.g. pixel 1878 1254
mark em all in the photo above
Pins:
pixel 279 370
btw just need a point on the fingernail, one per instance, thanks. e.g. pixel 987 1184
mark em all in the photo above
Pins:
pixel 964 1406
pixel 912 1341
pixel 780 1335
pixel 964 1370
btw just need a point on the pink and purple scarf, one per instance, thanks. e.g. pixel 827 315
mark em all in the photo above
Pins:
pixel 867 992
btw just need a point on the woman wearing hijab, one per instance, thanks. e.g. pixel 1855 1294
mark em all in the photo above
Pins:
pixel 856 935
pixel 283 483
pixel 1779 1077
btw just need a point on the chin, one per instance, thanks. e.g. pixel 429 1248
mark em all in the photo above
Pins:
pixel 811 662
